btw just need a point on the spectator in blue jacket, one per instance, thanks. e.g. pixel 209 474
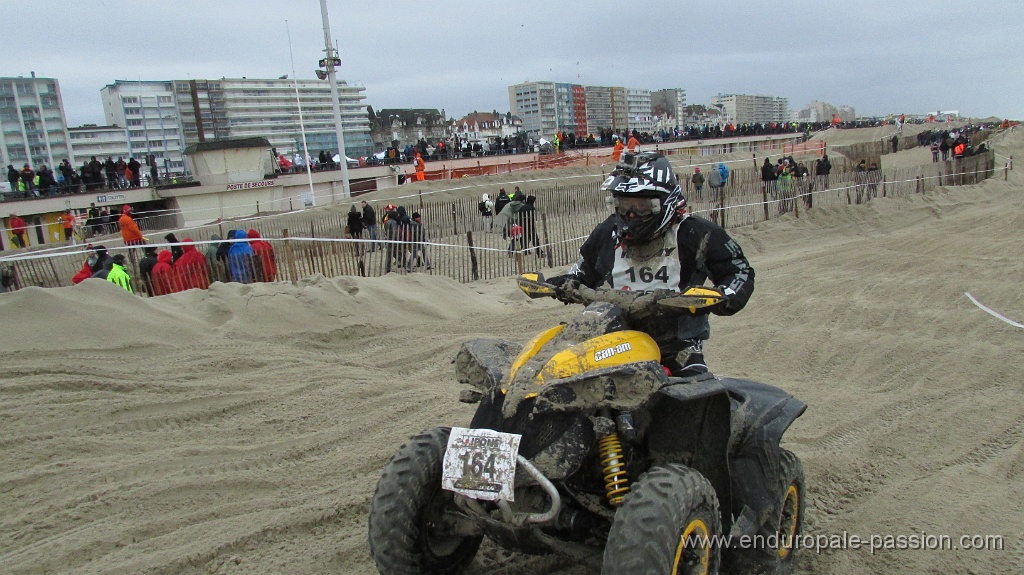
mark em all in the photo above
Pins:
pixel 240 259
pixel 724 171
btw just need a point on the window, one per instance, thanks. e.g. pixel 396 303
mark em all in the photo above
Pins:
pixel 134 122
pixel 130 100
pixel 132 111
pixel 164 99
pixel 136 133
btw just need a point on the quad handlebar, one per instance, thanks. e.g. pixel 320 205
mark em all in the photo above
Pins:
pixel 637 303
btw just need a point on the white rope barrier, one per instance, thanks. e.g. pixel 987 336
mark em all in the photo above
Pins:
pixel 992 312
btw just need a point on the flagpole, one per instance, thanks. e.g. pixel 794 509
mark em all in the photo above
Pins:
pixel 302 126
pixel 331 61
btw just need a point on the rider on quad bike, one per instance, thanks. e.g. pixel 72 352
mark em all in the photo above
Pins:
pixel 651 243
pixel 589 440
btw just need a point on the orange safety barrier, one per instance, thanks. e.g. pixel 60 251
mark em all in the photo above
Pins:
pixel 817 146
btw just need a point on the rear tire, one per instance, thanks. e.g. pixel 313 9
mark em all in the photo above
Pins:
pixel 654 529
pixel 781 529
pixel 408 513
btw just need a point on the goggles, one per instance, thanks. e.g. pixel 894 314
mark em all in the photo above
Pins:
pixel 626 206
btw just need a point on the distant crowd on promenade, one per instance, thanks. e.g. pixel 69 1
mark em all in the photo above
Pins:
pixel 91 176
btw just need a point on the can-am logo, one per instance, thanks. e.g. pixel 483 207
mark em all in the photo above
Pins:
pixel 606 353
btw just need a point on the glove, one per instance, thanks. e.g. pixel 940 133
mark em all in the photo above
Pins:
pixel 566 289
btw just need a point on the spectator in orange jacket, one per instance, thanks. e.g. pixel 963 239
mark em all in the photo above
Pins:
pixel 633 144
pixel 68 221
pixel 191 267
pixel 165 279
pixel 265 252
pixel 130 232
pixel 617 151
pixel 420 167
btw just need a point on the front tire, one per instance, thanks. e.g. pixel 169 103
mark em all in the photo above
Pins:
pixel 412 519
pixel 665 526
pixel 775 550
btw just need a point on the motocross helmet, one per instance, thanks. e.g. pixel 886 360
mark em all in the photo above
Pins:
pixel 646 197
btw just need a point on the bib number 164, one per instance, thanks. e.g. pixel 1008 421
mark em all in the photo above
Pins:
pixel 481 463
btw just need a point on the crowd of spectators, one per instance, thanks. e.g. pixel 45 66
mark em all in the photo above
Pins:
pixel 951 144
pixel 92 175
pixel 247 259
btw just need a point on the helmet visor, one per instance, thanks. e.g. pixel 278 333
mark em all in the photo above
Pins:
pixel 634 207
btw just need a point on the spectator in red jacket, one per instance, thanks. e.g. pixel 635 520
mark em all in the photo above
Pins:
pixel 265 252
pixel 165 279
pixel 191 267
pixel 18 227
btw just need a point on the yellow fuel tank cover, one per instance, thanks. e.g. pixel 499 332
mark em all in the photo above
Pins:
pixel 607 350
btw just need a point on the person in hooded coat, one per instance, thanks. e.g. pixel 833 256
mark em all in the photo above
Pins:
pixel 146 265
pixel 241 259
pixel 176 251
pixel 86 271
pixel 222 255
pixel 165 279
pixel 218 271
pixel 101 267
pixel 191 267
pixel 265 255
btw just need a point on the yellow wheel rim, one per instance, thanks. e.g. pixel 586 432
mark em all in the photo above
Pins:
pixel 694 550
pixel 789 521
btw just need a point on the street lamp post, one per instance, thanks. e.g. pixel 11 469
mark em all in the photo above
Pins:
pixel 330 62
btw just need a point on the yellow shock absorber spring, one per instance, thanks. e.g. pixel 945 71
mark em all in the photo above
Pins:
pixel 613 465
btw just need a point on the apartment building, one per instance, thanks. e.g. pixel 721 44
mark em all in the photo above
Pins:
pixel 33 127
pixel 100 141
pixel 746 109
pixel 669 105
pixel 638 110
pixel 147 113
pixel 269 108
pixel 546 107
pixel 536 104
pixel 599 108
pixel 620 107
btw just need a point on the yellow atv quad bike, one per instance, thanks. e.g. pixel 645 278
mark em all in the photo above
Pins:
pixel 582 445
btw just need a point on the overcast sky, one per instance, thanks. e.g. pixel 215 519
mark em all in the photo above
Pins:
pixel 880 56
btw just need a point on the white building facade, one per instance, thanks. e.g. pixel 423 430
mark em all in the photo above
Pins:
pixel 746 109
pixel 149 117
pixel 33 127
pixel 269 108
pixel 101 142
pixel 638 110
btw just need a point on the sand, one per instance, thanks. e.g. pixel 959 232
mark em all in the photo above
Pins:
pixel 242 429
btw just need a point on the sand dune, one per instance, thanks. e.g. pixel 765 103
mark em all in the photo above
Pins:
pixel 242 429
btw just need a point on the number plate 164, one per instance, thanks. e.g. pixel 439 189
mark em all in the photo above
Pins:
pixel 481 463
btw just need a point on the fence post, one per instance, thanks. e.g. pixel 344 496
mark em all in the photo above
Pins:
pixel 455 223
pixel 883 186
pixel 292 270
pixel 1006 171
pixel 472 255
pixel 257 208
pixel 547 249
